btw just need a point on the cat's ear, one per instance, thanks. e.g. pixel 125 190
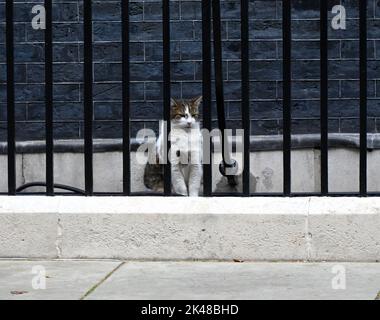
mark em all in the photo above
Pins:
pixel 173 102
pixel 197 101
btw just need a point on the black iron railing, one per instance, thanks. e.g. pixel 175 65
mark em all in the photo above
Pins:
pixel 10 100
pixel 210 17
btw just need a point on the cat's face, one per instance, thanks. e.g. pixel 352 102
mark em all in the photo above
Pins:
pixel 185 113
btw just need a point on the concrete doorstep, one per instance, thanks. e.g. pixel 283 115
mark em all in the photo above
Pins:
pixel 117 280
pixel 177 229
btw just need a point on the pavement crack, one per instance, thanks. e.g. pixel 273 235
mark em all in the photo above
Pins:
pixel 58 242
pixel 308 235
pixel 94 287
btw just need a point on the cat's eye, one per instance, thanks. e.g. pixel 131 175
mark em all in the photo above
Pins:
pixel 186 116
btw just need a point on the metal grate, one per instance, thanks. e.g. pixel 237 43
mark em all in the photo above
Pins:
pixel 210 16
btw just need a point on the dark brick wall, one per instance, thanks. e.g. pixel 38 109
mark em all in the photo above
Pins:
pixel 146 66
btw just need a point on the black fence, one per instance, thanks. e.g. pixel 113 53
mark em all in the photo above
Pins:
pixel 211 28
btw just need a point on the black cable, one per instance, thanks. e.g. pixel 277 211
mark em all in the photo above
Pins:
pixel 228 163
pixel 56 186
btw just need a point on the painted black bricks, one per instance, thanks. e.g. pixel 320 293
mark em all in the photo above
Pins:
pixel 146 66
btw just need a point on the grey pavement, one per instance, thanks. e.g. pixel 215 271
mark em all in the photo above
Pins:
pixel 75 280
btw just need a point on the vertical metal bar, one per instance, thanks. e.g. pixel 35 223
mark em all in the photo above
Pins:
pixel 88 99
pixel 126 99
pixel 324 96
pixel 245 94
pixel 206 55
pixel 363 96
pixel 10 99
pixel 49 99
pixel 167 88
pixel 287 93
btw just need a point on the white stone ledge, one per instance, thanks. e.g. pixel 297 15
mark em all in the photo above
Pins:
pixel 155 228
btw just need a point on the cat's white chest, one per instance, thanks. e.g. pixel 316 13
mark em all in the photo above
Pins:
pixel 186 146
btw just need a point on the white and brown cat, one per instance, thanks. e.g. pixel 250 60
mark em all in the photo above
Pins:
pixel 186 151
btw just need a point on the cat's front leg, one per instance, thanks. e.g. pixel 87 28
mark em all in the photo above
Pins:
pixel 178 180
pixel 195 179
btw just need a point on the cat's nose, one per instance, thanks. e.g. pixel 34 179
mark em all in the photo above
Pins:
pixel 189 124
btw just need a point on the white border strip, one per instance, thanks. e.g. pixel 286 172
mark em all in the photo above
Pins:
pixel 178 205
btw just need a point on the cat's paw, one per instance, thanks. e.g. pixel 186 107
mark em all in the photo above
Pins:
pixel 181 192
pixel 175 194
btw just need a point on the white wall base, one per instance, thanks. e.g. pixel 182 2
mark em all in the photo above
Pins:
pixel 254 229
pixel 108 172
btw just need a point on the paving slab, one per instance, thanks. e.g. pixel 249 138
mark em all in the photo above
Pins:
pixel 218 280
pixel 65 280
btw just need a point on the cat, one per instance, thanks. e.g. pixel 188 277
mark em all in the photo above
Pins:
pixel 223 186
pixel 186 151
